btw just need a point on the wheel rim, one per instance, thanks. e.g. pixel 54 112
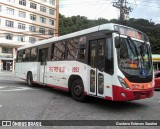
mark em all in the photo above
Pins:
pixel 78 90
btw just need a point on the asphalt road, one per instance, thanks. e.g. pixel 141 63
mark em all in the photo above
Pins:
pixel 20 102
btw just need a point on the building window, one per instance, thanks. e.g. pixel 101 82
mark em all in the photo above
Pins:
pixel 32 28
pixel 22 14
pixel 32 39
pixel 22 2
pixel 7 50
pixel 11 1
pixel 10 11
pixel 43 9
pixel 33 17
pixel 9 23
pixel 9 36
pixel 42 30
pixel 21 26
pixel 50 32
pixel 51 22
pixel 33 5
pixel 21 38
pixel 0 8
pixel 42 20
pixel 51 11
pixel 52 2
pixel 43 0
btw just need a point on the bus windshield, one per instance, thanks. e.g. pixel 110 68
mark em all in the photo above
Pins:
pixel 134 58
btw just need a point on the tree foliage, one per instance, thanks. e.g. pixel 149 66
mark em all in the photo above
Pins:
pixel 76 23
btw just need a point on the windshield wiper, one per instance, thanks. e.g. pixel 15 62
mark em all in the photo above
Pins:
pixel 131 43
pixel 138 54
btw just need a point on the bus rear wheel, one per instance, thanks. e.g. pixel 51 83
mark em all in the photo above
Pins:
pixel 30 79
pixel 77 90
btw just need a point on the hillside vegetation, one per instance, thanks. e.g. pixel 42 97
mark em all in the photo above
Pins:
pixel 76 23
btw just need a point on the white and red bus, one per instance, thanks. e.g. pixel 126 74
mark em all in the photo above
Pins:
pixel 109 61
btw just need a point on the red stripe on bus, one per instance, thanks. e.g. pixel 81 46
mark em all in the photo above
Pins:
pixel 58 87
pixel 62 88
pixel 108 98
pixel 85 93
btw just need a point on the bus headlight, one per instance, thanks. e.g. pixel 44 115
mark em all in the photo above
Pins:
pixel 123 83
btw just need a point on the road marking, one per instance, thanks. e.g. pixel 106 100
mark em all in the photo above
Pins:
pixel 14 88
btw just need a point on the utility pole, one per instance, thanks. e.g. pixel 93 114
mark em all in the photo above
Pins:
pixel 124 10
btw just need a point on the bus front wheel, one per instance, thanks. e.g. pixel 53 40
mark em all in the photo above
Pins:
pixel 29 79
pixel 77 90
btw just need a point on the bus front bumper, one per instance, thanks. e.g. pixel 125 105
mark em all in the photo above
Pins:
pixel 121 94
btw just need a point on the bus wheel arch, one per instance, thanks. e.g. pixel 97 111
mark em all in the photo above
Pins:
pixel 29 78
pixel 76 87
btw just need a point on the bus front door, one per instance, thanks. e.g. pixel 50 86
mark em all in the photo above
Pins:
pixel 43 55
pixel 97 64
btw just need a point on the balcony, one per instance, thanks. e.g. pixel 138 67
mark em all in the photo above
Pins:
pixel 6 55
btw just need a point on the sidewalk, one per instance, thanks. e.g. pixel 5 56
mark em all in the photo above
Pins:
pixel 7 72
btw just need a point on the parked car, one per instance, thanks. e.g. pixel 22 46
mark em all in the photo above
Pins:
pixel 157 79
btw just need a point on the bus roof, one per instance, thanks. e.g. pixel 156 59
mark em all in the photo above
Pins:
pixel 108 26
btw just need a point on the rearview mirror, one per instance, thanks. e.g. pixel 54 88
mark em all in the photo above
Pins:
pixel 117 42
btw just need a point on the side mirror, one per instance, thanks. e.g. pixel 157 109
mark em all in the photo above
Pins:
pixel 117 42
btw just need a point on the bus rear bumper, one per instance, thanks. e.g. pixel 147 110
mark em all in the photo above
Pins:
pixel 121 94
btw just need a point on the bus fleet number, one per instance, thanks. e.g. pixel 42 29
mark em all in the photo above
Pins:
pixel 75 69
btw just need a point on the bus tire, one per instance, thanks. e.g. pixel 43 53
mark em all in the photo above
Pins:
pixel 29 79
pixel 77 90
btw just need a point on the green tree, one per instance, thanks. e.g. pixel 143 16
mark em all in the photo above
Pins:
pixel 76 23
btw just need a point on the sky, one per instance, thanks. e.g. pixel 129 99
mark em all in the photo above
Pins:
pixel 94 9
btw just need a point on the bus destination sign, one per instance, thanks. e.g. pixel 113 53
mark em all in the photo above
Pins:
pixel 130 32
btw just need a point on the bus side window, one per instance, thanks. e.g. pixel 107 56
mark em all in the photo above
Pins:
pixel 41 56
pixel 82 51
pixel 82 48
pixel 34 53
pixel 71 49
pixel 27 55
pixel 52 52
pixel 58 51
pixel 20 56
pixel 23 56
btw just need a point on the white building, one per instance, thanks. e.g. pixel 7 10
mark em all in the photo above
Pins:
pixel 23 22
